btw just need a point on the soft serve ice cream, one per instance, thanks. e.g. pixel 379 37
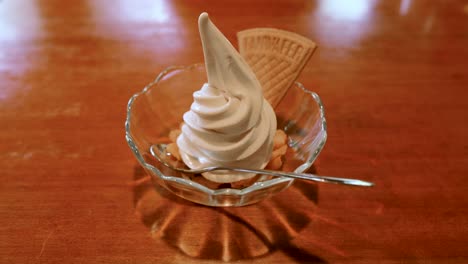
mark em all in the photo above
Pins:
pixel 229 123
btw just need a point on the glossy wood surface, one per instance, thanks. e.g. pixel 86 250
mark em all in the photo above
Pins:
pixel 393 76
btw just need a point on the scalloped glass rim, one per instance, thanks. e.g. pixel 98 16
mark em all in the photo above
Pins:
pixel 227 191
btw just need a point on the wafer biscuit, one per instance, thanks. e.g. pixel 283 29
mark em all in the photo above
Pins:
pixel 276 56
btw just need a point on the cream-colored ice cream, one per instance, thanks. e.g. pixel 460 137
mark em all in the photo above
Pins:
pixel 229 123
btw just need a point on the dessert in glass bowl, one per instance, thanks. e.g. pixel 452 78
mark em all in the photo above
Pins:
pixel 216 114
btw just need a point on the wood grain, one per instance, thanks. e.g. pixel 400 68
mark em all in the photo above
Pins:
pixel 393 78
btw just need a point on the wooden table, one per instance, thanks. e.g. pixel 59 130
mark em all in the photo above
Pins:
pixel 393 76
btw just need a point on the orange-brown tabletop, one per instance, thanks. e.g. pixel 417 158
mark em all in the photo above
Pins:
pixel 393 76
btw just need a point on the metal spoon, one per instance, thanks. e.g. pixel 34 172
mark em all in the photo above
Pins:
pixel 159 152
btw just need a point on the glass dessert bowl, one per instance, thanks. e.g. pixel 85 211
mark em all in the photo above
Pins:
pixel 157 110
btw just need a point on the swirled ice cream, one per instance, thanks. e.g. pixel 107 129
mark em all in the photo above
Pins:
pixel 229 123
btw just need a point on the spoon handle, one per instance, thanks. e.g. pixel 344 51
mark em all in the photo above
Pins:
pixel 158 151
pixel 309 176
